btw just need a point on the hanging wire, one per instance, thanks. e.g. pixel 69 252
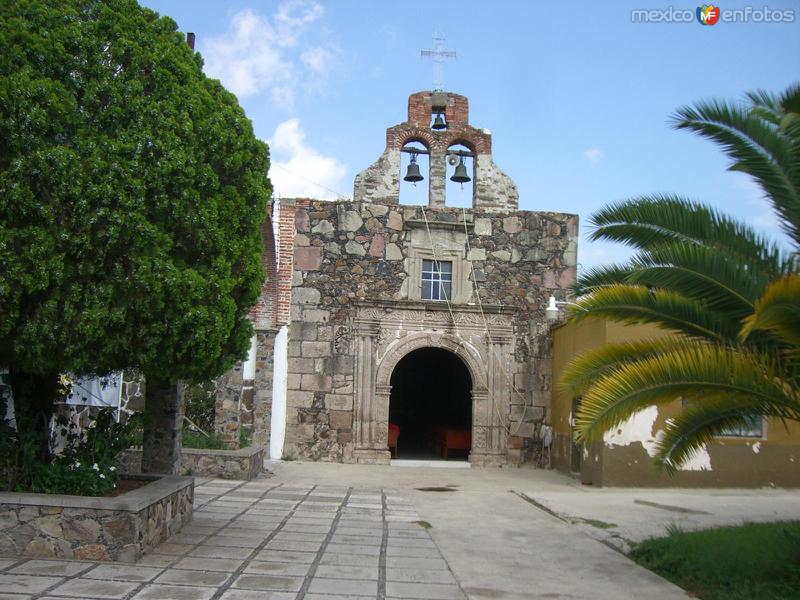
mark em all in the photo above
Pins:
pixel 338 194
pixel 506 370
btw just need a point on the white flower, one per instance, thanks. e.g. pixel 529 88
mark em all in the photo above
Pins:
pixel 102 476
pixel 77 464
pixel 112 468
pixel 95 467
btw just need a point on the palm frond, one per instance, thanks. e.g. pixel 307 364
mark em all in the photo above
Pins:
pixel 706 274
pixel 777 311
pixel 652 220
pixel 765 105
pixel 790 99
pixel 700 423
pixel 635 304
pixel 583 370
pixel 757 147
pixel 700 372
pixel 595 277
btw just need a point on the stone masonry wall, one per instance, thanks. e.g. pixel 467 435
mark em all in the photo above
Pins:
pixel 345 252
pixel 81 528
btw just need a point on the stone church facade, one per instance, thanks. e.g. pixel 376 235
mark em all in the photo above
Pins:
pixel 359 286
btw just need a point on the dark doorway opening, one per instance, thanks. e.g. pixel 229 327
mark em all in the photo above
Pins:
pixel 431 405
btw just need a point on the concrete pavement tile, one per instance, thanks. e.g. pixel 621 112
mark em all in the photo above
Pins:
pixel 187 538
pixel 208 551
pixel 337 597
pixel 123 573
pixel 237 542
pixel 172 549
pixel 4 596
pixel 296 536
pixel 346 572
pixel 410 542
pixel 199 529
pixel 354 549
pixel 359 525
pixel 155 591
pixel 420 576
pixel 371 531
pixel 280 583
pixel 26 584
pixel 208 520
pixel 6 562
pixel 363 540
pixel 356 560
pixel 357 587
pixel 424 591
pixel 286 556
pixel 407 562
pixel 276 544
pixel 311 520
pixel 94 588
pixel 51 567
pixel 429 552
pixel 257 595
pixel 260 567
pixel 155 560
pixel 417 532
pixel 306 528
pixel 181 577
pixel 251 529
pixel 209 564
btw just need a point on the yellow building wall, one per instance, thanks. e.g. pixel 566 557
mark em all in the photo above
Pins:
pixel 773 460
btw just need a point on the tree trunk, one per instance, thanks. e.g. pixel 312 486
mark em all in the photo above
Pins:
pixel 34 397
pixel 161 448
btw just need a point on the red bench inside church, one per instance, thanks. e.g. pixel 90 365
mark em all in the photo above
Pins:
pixel 444 441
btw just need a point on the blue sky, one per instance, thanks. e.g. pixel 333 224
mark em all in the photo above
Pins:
pixel 576 95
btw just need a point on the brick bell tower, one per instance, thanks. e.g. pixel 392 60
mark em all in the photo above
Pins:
pixel 493 190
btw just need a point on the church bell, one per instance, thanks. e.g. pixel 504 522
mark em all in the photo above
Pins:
pixel 460 176
pixel 412 174
pixel 438 122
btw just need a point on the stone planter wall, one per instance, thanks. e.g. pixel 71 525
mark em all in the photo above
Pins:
pixel 244 464
pixel 89 528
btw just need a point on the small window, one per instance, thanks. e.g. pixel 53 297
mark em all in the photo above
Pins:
pixel 437 279
pixel 753 429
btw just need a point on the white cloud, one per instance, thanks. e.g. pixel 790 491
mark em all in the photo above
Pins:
pixel 277 55
pixel 593 154
pixel 305 173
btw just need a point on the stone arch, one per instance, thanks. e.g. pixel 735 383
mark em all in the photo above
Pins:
pixel 415 134
pixel 466 352
pixel 459 139
pixel 398 349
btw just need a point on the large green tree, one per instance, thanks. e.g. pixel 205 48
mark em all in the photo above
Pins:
pixel 132 189
pixel 729 296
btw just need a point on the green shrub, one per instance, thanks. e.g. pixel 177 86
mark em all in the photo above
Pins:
pixel 198 404
pixel 201 441
pixel 86 465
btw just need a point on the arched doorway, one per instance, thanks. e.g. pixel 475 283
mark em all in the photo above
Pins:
pixel 431 405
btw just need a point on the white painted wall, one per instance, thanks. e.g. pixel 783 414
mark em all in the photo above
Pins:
pixel 277 423
pixel 639 428
pixel 249 368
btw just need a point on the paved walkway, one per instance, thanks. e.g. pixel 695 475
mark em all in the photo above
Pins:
pixel 339 532
pixel 263 540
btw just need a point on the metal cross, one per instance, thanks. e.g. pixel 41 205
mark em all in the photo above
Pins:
pixel 438 54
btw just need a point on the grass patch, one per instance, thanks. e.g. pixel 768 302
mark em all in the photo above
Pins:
pixel 757 560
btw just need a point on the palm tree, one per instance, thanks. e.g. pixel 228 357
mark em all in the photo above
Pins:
pixel 730 296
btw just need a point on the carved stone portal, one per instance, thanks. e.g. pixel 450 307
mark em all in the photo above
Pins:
pixel 384 333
